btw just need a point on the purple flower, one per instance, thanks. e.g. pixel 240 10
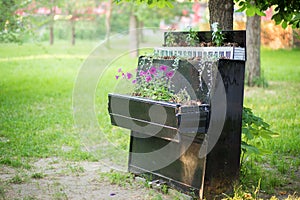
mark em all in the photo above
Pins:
pixel 134 81
pixel 129 75
pixel 142 73
pixel 120 70
pixel 148 78
pixel 170 74
pixel 152 70
pixel 117 77
pixel 163 68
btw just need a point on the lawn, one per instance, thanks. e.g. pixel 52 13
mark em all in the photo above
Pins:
pixel 37 82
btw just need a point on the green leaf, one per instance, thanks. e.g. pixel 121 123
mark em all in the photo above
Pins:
pixel 250 11
pixel 242 3
pixel 259 12
pixel 247 133
pixel 277 18
pixel 169 4
pixel 284 24
pixel 241 9
pixel 249 148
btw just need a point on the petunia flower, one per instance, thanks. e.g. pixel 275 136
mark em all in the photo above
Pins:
pixel 142 73
pixel 163 68
pixel 170 74
pixel 134 81
pixel 117 77
pixel 129 75
pixel 148 79
pixel 152 70
pixel 120 70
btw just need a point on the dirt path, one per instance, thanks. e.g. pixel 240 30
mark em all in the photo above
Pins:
pixel 53 178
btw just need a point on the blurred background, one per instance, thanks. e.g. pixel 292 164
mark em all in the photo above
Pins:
pixel 98 19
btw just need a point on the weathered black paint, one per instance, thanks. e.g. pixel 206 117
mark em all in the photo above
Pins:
pixel 133 113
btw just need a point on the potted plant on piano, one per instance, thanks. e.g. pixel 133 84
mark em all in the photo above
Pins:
pixel 155 103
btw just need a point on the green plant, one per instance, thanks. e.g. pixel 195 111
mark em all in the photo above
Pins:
pixel 192 38
pixel 2 191
pixel 170 38
pixel 217 35
pixel 155 82
pixel 240 194
pixel 19 179
pixel 260 81
pixel 38 175
pixel 164 189
pixel 254 129
pixel 118 178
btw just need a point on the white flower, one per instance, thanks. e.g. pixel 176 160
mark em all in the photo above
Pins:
pixel 214 26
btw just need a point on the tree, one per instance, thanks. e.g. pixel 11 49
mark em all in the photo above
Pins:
pixel 253 50
pixel 79 10
pixel 286 13
pixel 12 21
pixel 51 23
pixel 224 15
pixel 133 33
pixel 108 20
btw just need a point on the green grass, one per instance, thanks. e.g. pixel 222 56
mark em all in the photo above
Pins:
pixel 36 114
pixel 36 98
pixel 281 65
pixel 278 105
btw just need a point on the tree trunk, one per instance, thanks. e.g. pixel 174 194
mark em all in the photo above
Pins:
pixel 221 11
pixel 51 29
pixel 253 49
pixel 141 33
pixel 73 32
pixel 51 35
pixel 108 21
pixel 133 35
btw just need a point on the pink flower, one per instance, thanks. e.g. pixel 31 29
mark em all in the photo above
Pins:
pixel 170 74
pixel 134 81
pixel 120 70
pixel 129 75
pixel 163 68
pixel 152 70
pixel 148 78
pixel 142 73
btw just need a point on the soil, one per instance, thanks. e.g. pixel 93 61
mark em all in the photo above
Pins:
pixel 53 178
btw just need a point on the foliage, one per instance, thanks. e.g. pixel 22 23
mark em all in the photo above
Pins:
pixel 240 194
pixel 12 25
pixel 254 129
pixel 286 12
pixel 217 35
pixel 192 38
pixel 118 178
pixel 154 82
pixel 151 3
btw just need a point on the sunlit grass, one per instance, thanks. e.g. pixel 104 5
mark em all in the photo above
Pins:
pixel 281 65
